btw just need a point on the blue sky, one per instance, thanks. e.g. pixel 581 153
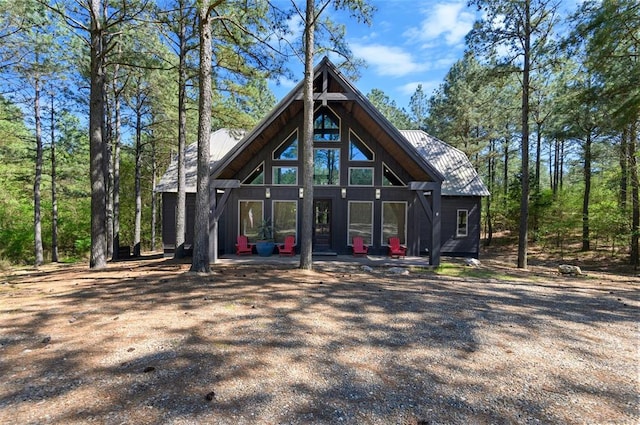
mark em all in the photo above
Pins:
pixel 408 43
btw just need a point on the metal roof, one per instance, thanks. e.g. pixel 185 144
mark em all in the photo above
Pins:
pixel 221 142
pixel 460 177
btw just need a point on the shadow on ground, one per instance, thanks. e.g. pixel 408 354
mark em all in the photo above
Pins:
pixel 147 342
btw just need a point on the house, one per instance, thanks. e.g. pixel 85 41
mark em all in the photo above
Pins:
pixel 370 180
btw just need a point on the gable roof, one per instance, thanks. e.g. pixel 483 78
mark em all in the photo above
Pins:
pixel 329 86
pixel 220 143
pixel 461 179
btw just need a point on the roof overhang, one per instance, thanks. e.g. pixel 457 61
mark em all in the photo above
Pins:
pixel 330 86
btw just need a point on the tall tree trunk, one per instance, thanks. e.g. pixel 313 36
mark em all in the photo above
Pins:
pixel 154 196
pixel 505 172
pixel 116 170
pixel 54 193
pixel 108 132
pixel 556 168
pixel 587 194
pixel 37 221
pixel 635 219
pixel 306 230
pixel 181 206
pixel 524 201
pixel 624 169
pixel 200 260
pixel 551 153
pixel 138 191
pixel 560 171
pixel 98 258
pixel 538 156
pixel 492 181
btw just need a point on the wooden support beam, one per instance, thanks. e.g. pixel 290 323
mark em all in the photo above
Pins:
pixel 330 97
pixel 216 209
pixel 224 184
pixel 433 214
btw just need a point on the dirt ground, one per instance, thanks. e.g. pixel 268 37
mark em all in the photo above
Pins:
pixel 146 342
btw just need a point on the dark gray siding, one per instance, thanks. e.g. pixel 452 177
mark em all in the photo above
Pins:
pixel 169 220
pixel 460 246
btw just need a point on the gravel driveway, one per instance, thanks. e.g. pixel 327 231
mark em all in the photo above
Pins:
pixel 149 343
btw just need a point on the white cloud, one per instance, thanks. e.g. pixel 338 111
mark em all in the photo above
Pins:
pixel 387 60
pixel 427 87
pixel 449 21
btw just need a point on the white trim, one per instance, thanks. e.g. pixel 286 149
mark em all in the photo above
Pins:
pixel 256 220
pixel 466 224
pixel 350 242
pixel 361 168
pixel 273 170
pixel 394 174
pixel 244 182
pixel 373 154
pixel 273 214
pixel 337 148
pixel 339 126
pixel 403 239
pixel 273 153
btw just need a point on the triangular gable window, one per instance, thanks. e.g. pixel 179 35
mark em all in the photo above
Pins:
pixel 389 178
pixel 326 126
pixel 256 177
pixel 358 151
pixel 288 150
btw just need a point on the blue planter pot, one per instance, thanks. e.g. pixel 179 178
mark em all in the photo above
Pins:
pixel 265 249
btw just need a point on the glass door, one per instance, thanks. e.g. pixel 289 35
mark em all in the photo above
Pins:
pixel 322 225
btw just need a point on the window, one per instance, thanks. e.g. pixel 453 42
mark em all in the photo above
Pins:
pixel 288 150
pixel 462 228
pixel 389 178
pixel 326 127
pixel 361 221
pixel 358 151
pixel 285 175
pixel 250 218
pixel 394 221
pixel 256 176
pixel 360 176
pixel 285 219
pixel 326 167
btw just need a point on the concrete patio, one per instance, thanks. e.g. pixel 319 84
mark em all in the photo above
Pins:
pixel 323 259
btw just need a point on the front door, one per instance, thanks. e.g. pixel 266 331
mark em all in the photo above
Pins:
pixel 322 225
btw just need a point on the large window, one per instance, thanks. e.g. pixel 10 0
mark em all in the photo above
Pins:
pixel 360 176
pixel 288 150
pixel 358 151
pixel 389 178
pixel 462 228
pixel 326 126
pixel 394 221
pixel 285 175
pixel 256 176
pixel 361 221
pixel 285 219
pixel 326 167
pixel 250 218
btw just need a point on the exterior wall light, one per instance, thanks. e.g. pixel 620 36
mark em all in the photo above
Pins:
pixel 301 193
pixel 343 192
pixel 377 193
pixel 267 193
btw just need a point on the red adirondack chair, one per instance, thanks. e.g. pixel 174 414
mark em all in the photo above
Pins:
pixel 359 248
pixel 243 247
pixel 288 247
pixel 395 249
